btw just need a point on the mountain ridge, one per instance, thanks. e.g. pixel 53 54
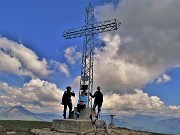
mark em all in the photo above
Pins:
pixel 20 113
pixel 150 123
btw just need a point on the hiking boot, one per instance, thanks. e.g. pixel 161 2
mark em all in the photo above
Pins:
pixel 77 113
pixel 90 117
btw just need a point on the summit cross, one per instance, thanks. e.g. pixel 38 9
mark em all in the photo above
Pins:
pixel 87 31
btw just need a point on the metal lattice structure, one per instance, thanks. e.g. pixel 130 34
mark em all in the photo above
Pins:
pixel 88 30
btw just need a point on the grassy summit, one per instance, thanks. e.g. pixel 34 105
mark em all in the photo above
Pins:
pixel 21 127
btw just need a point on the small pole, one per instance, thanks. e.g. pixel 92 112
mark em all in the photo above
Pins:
pixel 111 125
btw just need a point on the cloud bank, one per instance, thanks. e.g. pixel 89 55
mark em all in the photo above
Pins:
pixel 18 59
pixel 144 46
pixel 37 95
pixel 136 103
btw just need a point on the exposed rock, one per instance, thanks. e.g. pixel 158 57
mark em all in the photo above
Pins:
pixel 11 133
pixel 44 131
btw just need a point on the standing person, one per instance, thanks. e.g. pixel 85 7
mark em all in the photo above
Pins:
pixel 98 100
pixel 82 102
pixel 66 101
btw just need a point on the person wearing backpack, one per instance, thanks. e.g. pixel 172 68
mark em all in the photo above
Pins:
pixel 66 101
pixel 98 100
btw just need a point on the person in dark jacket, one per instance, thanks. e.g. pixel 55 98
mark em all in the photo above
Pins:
pixel 98 100
pixel 66 101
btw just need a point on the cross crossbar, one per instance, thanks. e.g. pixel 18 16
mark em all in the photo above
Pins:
pixel 92 29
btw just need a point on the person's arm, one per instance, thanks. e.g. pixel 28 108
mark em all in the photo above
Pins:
pixel 102 98
pixel 73 94
pixel 92 95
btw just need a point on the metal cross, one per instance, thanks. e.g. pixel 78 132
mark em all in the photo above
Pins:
pixel 88 30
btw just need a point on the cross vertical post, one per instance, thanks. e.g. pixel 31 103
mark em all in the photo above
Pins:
pixel 88 49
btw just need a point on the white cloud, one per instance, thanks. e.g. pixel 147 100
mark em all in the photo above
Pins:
pixel 8 101
pixel 37 95
pixel 76 83
pixel 115 73
pixel 62 67
pixel 174 107
pixel 72 55
pixel 144 46
pixel 138 102
pixel 172 110
pixel 18 59
pixel 164 78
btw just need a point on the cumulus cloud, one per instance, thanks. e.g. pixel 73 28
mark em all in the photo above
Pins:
pixel 37 95
pixel 164 78
pixel 139 102
pixel 18 59
pixel 8 101
pixel 143 48
pixel 72 55
pixel 115 73
pixel 172 107
pixel 62 67
pixel 76 83
pixel 171 111
pixel 133 103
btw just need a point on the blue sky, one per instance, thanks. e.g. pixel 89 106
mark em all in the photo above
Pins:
pixel 39 24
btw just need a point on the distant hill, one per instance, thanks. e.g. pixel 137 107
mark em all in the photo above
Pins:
pixel 160 124
pixel 173 125
pixel 20 113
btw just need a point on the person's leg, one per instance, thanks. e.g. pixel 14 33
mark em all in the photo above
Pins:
pixel 94 109
pixel 94 106
pixel 78 108
pixel 65 107
pixel 70 109
pixel 83 106
pixel 99 109
pixel 78 111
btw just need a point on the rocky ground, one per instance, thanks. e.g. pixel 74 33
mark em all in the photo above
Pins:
pixel 111 131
